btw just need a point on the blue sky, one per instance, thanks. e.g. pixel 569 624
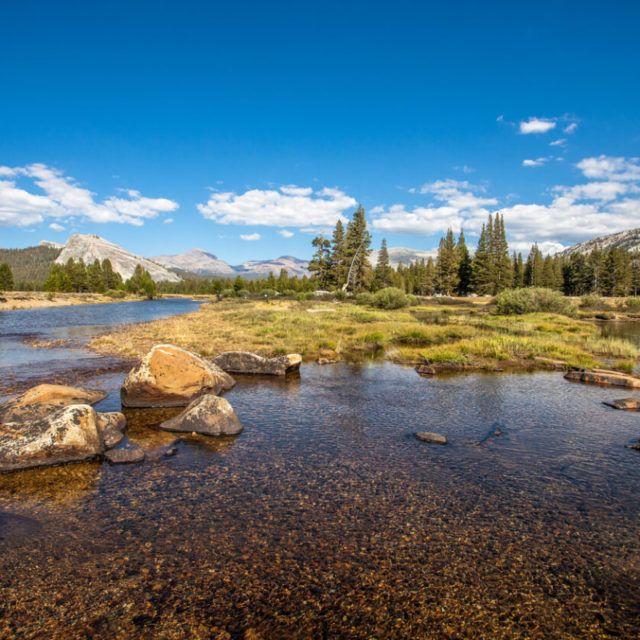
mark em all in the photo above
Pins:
pixel 246 128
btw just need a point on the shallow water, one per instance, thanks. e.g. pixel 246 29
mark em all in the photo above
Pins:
pixel 325 518
pixel 21 365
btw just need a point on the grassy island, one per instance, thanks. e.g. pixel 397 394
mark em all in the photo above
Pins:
pixel 449 333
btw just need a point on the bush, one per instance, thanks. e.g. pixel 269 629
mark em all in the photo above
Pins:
pixel 228 293
pixel 267 294
pixel 532 300
pixel 364 299
pixel 340 295
pixel 632 304
pixel 594 303
pixel 243 293
pixel 412 301
pixel 116 293
pixel 390 298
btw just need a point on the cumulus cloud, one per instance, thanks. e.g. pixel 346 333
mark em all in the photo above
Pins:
pixel 56 227
pixel 455 204
pixel 537 125
pixel 287 206
pixel 250 237
pixel 610 168
pixel 285 233
pixel 534 163
pixel 60 197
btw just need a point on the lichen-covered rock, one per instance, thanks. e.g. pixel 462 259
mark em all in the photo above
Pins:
pixel 626 404
pixel 245 362
pixel 169 376
pixel 40 401
pixel 603 377
pixel 69 434
pixel 432 438
pixel 111 426
pixel 209 415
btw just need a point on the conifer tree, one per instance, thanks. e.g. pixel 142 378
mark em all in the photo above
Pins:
pixel 464 267
pixel 319 263
pixel 6 277
pixel 533 276
pixel 382 272
pixel 337 259
pixel 447 265
pixel 482 278
pixel 112 279
pixel 499 249
pixel 95 277
pixel 357 250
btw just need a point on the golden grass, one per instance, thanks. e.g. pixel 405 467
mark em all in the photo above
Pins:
pixel 451 336
pixel 43 300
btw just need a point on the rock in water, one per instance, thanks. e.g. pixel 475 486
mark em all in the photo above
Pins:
pixel 428 436
pixel 171 377
pixel 426 370
pixel 125 456
pixel 111 426
pixel 40 401
pixel 626 404
pixel 209 415
pixel 69 434
pixel 245 362
pixel 603 377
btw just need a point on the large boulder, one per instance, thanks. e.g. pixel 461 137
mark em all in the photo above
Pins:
pixel 70 434
pixel 603 376
pixel 209 415
pixel 39 402
pixel 245 362
pixel 626 404
pixel 169 376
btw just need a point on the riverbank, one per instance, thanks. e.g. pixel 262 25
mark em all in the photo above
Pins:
pixel 463 335
pixel 11 300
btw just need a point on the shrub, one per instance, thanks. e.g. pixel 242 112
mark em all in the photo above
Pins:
pixel 375 338
pixel 532 300
pixel 340 295
pixel 364 299
pixel 228 293
pixel 116 293
pixel 594 303
pixel 243 293
pixel 390 298
pixel 412 301
pixel 632 304
pixel 268 294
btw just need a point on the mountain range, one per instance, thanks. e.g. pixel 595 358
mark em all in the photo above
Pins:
pixel 629 240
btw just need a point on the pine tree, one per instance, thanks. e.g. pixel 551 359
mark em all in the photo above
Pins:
pixel 112 279
pixel 337 259
pixel 319 263
pixel 482 279
pixel 464 267
pixel 95 277
pixel 518 271
pixel 357 250
pixel 447 265
pixel 382 271
pixel 6 277
pixel 499 249
pixel 533 276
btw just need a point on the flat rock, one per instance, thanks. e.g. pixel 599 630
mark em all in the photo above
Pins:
pixel 209 415
pixel 429 436
pixel 245 362
pixel 169 376
pixel 111 425
pixel 40 401
pixel 603 377
pixel 626 404
pixel 426 370
pixel 69 434
pixel 326 361
pixel 125 456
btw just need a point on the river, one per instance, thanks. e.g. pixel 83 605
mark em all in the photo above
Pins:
pixel 325 518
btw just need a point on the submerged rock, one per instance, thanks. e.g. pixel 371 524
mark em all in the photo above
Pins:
pixel 426 370
pixel 169 376
pixel 70 434
pixel 635 446
pixel 111 426
pixel 125 456
pixel 245 362
pixel 429 436
pixel 209 415
pixel 42 400
pixel 602 376
pixel 626 404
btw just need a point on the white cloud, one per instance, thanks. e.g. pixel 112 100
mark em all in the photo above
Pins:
pixel 610 168
pixel 534 163
pixel 167 221
pixel 462 207
pixel 571 128
pixel 537 125
pixel 250 237
pixel 62 198
pixel 285 233
pixel 56 227
pixel 288 206
pixel 558 143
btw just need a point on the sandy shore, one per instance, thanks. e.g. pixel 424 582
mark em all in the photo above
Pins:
pixel 43 300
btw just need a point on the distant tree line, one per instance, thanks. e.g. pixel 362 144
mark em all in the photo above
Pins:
pixel 29 266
